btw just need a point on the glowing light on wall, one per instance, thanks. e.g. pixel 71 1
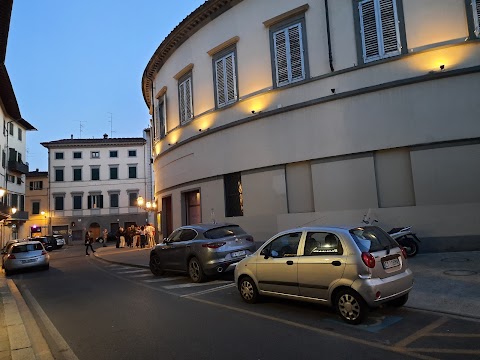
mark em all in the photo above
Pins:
pixel 432 60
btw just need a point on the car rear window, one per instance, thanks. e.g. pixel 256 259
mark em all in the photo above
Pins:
pixel 26 248
pixel 372 238
pixel 224 231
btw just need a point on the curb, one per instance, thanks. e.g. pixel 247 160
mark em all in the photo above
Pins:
pixel 120 263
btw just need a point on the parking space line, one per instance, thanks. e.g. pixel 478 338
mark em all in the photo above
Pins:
pixel 422 332
pixel 133 271
pixel 164 279
pixel 448 351
pixel 140 276
pixel 187 285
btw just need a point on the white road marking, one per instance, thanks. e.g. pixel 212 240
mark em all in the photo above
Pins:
pixel 133 271
pixel 188 285
pixel 218 288
pixel 164 279
pixel 140 276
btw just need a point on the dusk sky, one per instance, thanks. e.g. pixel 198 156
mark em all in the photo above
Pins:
pixel 76 66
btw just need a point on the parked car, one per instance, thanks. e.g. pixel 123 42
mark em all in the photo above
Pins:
pixel 5 249
pixel 48 242
pixel 60 240
pixel 202 250
pixel 349 268
pixel 25 254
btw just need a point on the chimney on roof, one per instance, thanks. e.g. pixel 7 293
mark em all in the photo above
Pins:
pixel 105 136
pixel 36 170
pixel 71 136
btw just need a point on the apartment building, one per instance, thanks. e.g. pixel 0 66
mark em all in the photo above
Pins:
pixel 12 143
pixel 320 112
pixel 94 184
pixel 36 203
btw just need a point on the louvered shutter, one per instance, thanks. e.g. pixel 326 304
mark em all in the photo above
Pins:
pixel 476 16
pixel 185 100
pixel 289 60
pixel 181 100
pixel 226 80
pixel 281 62
pixel 297 68
pixel 161 117
pixel 379 29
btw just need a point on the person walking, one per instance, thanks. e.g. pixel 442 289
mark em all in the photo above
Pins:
pixel 88 243
pixel 150 231
pixel 143 237
pixel 105 237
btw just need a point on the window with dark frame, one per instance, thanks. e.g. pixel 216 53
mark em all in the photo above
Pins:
pixel 77 155
pixel 132 153
pixel 233 194
pixel 35 207
pixel 77 202
pixel 225 70
pixel 77 174
pixel 36 185
pixel 58 174
pixel 185 99
pixel 95 154
pixel 113 153
pixel 58 202
pixel 20 134
pixel 193 207
pixel 95 201
pixel 114 200
pixel 160 121
pixel 113 173
pixel 132 171
pixel 95 173
pixel 58 155
pixel 132 199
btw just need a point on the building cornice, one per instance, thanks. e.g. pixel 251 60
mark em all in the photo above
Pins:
pixel 72 143
pixel 205 13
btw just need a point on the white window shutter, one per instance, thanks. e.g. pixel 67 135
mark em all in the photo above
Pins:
pixel 188 99
pixel 231 88
pixel 220 77
pixel 181 101
pixel 297 68
pixel 281 62
pixel 390 32
pixel 476 16
pixel 369 32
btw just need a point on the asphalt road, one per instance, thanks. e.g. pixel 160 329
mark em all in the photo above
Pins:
pixel 106 311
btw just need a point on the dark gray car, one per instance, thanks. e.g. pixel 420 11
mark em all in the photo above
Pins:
pixel 202 250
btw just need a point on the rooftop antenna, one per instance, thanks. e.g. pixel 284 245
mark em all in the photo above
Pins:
pixel 81 127
pixel 111 124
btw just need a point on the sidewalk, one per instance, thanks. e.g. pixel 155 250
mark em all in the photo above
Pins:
pixel 444 282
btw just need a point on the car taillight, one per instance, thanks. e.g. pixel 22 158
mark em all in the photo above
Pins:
pixel 404 252
pixel 249 238
pixel 11 256
pixel 368 260
pixel 214 245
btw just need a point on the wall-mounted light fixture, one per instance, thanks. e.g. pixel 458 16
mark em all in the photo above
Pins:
pixel 442 67
pixel 333 91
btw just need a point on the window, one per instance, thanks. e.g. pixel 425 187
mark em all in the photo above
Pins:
pixel 95 201
pixel 36 185
pixel 160 125
pixel 10 128
pixel 19 158
pixel 58 155
pixel 233 194
pixel 77 174
pixel 320 243
pixel 95 173
pixel 19 180
pixel 21 199
pixel 35 207
pixel 114 200
pixel 20 135
pixel 113 153
pixel 283 246
pixel 193 208
pixel 58 202
pixel 185 99
pixel 132 199
pixel 4 157
pixel 10 178
pixel 132 171
pixel 14 200
pixel 95 154
pixel 289 52
pixel 475 9
pixel 77 202
pixel 113 173
pixel 77 154
pixel 225 78
pixel 380 29
pixel 132 153
pixel 58 174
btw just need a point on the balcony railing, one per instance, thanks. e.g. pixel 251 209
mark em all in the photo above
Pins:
pixel 17 166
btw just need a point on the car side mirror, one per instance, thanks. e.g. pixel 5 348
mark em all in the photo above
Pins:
pixel 265 253
pixel 165 240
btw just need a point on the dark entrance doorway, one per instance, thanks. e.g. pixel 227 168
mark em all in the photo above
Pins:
pixel 167 222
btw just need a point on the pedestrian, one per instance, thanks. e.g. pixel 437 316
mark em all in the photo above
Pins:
pixel 150 230
pixel 88 242
pixel 143 237
pixel 121 236
pixel 105 237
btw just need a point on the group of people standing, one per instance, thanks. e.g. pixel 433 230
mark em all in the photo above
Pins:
pixel 136 236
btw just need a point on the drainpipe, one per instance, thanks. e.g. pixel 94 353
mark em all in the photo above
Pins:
pixel 330 56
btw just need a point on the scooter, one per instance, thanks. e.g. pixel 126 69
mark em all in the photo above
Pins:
pixel 407 238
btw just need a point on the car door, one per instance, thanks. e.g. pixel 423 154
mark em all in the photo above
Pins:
pixel 167 250
pixel 321 264
pixel 180 248
pixel 277 268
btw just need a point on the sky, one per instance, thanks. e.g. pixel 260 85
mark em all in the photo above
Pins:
pixel 76 66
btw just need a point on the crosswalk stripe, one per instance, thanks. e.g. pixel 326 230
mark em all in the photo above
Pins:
pixel 133 271
pixel 141 275
pixel 164 279
pixel 118 267
pixel 188 285
pixel 218 288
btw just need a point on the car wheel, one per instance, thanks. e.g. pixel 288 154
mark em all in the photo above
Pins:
pixel 350 306
pixel 399 302
pixel 8 272
pixel 410 246
pixel 195 271
pixel 248 290
pixel 156 266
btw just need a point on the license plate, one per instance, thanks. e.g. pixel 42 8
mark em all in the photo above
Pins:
pixel 391 263
pixel 238 253
pixel 28 261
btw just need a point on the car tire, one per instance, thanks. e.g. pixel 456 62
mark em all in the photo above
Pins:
pixel 410 246
pixel 350 306
pixel 8 272
pixel 156 266
pixel 399 302
pixel 248 290
pixel 195 270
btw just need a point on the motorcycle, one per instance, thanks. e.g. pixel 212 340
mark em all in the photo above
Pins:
pixel 407 238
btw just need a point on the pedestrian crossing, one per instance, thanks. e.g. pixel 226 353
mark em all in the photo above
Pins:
pixel 180 285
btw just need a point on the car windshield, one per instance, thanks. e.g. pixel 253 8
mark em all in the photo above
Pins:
pixel 224 231
pixel 372 238
pixel 26 248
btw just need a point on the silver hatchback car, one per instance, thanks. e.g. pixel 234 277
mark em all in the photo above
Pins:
pixel 349 268
pixel 27 254
pixel 202 250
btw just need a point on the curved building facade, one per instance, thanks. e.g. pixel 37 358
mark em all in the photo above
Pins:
pixel 320 112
